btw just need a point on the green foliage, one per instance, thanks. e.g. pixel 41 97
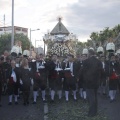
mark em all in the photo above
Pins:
pixel 5 41
pixel 106 33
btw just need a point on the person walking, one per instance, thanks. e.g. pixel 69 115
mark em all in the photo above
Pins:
pixel 92 68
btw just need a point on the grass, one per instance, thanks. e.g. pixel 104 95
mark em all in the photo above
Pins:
pixel 72 110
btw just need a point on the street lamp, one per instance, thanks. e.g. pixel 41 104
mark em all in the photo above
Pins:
pixel 30 37
pixel 12 37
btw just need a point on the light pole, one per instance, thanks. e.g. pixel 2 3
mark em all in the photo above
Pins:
pixel 12 38
pixel 30 37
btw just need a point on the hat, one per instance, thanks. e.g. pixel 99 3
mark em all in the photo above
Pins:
pixel 14 54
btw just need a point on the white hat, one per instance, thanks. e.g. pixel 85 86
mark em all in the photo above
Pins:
pixel 85 51
pixel 110 46
pixel 100 49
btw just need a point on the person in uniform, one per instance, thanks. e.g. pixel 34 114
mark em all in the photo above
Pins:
pixel 25 81
pixel 59 77
pixel 12 83
pixel 103 81
pixel 112 73
pixel 6 67
pixel 17 60
pixel 81 81
pixel 39 77
pixel 70 75
pixel 52 75
pixel 92 68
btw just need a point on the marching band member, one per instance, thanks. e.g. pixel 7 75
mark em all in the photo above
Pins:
pixel 112 72
pixel 25 80
pixel 52 75
pixel 6 66
pixel 60 77
pixel 13 83
pixel 70 74
pixel 39 77
pixel 103 81
pixel 81 81
pixel 18 66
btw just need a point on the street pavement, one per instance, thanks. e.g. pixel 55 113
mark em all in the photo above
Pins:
pixel 40 110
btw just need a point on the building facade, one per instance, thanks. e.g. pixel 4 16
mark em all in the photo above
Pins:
pixel 17 30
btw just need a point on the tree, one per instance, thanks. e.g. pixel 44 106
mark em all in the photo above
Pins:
pixel 5 41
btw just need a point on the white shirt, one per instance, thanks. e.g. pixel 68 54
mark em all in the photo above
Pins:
pixel 15 49
pixel 14 76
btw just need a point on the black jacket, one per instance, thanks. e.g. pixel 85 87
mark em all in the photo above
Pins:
pixel 92 69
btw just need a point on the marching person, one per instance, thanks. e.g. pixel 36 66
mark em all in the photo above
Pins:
pixel 92 68
pixel 112 72
pixel 70 76
pixel 6 67
pixel 39 77
pixel 103 81
pixel 25 80
pixel 52 75
pixel 12 83
pixel 81 82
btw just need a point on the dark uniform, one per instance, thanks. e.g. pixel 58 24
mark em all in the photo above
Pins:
pixel 112 72
pixel 70 76
pixel 25 80
pixel 12 85
pixel 40 78
pixel 6 67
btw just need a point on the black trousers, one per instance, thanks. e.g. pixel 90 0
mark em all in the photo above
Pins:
pixel 69 83
pixel 113 84
pixel 13 89
pixel 93 103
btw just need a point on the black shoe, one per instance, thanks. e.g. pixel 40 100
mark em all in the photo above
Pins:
pixel 91 115
pixel 104 93
pixel 10 103
pixel 16 103
pixel 44 101
pixel 52 101
pixel 75 100
pixel 18 97
pixel 111 101
pixel 27 102
pixel 67 101
pixel 34 102
pixel 84 100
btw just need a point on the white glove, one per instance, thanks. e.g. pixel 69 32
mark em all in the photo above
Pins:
pixel 62 79
pixel 21 82
pixel 32 82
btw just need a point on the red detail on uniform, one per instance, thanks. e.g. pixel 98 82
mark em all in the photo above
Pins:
pixel 113 76
pixel 54 75
pixel 68 74
pixel 37 75
pixel 11 81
